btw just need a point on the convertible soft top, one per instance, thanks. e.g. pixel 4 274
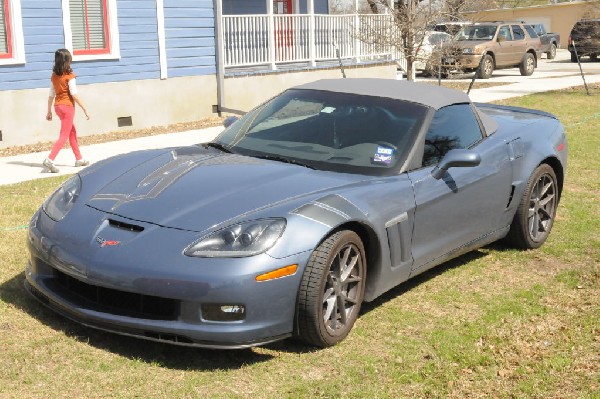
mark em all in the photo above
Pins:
pixel 431 96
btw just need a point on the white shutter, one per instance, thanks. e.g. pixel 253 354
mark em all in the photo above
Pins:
pixel 3 35
pixel 95 19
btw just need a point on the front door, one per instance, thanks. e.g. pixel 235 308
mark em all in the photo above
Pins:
pixel 282 6
pixel 468 203
pixel 284 29
pixel 504 52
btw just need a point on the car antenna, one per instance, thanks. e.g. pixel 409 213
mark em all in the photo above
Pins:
pixel 339 57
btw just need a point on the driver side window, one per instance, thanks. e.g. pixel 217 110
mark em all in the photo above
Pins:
pixel 505 31
pixel 452 127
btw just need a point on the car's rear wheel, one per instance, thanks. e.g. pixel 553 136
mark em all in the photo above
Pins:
pixel 551 54
pixel 527 65
pixel 573 56
pixel 332 290
pixel 536 211
pixel 486 68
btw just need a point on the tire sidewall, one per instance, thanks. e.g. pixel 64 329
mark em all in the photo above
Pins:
pixel 487 59
pixel 524 206
pixel 342 238
pixel 524 67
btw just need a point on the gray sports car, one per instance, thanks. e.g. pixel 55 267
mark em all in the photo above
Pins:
pixel 326 196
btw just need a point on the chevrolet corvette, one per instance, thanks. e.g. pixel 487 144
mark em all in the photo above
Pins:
pixel 324 197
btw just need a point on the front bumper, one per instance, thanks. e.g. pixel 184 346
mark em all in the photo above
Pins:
pixel 159 294
pixel 462 62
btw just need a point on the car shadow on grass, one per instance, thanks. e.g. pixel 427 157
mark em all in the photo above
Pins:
pixel 162 354
pixel 183 357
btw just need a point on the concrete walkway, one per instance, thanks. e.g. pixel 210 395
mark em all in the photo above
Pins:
pixel 550 75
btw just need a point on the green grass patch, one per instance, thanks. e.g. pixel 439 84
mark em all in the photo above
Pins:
pixel 493 323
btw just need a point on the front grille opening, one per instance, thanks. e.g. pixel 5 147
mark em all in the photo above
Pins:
pixel 178 339
pixel 125 226
pixel 117 302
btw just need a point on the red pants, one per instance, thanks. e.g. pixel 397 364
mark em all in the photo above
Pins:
pixel 66 114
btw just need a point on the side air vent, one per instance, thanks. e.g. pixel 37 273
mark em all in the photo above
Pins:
pixel 125 226
pixel 510 197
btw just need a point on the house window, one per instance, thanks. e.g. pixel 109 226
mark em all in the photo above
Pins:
pixel 91 29
pixel 89 25
pixel 12 49
pixel 5 36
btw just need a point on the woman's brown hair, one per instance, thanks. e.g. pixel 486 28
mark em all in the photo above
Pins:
pixel 62 62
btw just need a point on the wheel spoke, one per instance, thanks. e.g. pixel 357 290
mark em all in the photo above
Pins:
pixel 347 269
pixel 329 307
pixel 544 189
pixel 547 199
pixel 341 307
pixel 351 280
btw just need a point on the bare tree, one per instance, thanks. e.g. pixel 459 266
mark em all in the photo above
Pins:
pixel 402 28
pixel 592 10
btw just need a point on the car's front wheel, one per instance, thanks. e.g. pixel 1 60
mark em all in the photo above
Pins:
pixel 486 68
pixel 527 65
pixel 332 290
pixel 536 211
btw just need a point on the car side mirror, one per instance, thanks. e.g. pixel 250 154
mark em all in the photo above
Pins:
pixel 230 120
pixel 456 159
pixel 501 38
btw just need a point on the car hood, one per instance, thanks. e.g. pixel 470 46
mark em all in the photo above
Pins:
pixel 195 189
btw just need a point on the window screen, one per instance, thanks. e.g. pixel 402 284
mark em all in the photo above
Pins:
pixel 89 26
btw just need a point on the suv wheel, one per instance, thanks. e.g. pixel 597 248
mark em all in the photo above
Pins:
pixel 486 68
pixel 551 54
pixel 527 65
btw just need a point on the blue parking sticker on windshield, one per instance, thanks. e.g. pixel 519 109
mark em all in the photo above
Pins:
pixel 383 155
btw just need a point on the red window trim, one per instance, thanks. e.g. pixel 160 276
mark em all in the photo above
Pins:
pixel 6 22
pixel 106 49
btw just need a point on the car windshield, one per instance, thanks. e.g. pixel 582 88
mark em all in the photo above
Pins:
pixel 329 131
pixel 437 38
pixel 477 32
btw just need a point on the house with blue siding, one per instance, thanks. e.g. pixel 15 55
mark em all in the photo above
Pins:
pixel 142 63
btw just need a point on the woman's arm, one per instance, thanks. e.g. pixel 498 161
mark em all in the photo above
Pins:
pixel 80 103
pixel 50 101
pixel 75 94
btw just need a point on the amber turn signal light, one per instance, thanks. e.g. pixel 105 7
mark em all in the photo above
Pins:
pixel 278 273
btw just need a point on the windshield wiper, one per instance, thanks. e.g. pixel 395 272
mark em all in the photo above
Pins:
pixel 277 158
pixel 218 146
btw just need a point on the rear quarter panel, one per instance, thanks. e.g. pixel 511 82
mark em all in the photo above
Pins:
pixel 534 137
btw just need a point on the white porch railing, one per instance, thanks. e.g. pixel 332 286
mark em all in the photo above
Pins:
pixel 251 40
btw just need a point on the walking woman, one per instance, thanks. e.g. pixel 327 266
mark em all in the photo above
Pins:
pixel 64 95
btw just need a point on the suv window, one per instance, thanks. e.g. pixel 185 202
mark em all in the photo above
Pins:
pixel 452 127
pixel 505 31
pixel 532 33
pixel 518 32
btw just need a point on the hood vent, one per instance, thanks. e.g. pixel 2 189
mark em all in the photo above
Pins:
pixel 125 226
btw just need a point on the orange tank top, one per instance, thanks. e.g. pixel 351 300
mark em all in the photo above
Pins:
pixel 61 88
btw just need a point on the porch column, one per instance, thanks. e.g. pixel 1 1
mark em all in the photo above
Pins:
pixel 311 33
pixel 271 35
pixel 356 34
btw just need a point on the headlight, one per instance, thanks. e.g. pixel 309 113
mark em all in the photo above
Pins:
pixel 62 200
pixel 244 239
pixel 474 50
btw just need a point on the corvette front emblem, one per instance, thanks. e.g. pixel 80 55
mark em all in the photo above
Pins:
pixel 104 243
